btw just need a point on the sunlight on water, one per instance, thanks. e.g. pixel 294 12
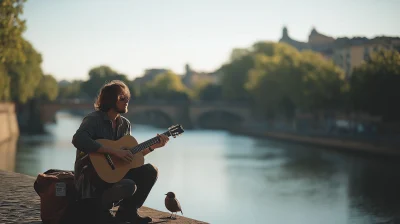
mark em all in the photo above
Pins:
pixel 224 178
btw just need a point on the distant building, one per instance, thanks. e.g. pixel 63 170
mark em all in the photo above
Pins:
pixel 321 43
pixel 351 56
pixel 316 42
pixel 351 53
pixel 346 53
pixel 191 77
pixel 297 44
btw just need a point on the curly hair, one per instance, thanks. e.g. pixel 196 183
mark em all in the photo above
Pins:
pixel 108 95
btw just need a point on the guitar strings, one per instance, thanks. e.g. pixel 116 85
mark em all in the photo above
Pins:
pixel 147 143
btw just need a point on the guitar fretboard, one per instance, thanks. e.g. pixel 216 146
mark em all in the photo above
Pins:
pixel 148 143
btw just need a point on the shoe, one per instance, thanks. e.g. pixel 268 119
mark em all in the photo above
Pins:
pixel 131 216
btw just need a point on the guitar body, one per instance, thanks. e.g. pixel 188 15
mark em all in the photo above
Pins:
pixel 102 166
pixel 111 169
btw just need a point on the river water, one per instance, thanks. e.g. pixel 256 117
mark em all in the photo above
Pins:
pixel 223 178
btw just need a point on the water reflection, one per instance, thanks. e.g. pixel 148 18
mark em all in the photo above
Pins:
pixel 285 184
pixel 38 153
pixel 374 190
pixel 224 178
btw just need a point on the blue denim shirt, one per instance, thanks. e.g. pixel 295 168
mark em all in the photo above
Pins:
pixel 96 125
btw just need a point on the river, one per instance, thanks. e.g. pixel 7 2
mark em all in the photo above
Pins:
pixel 219 177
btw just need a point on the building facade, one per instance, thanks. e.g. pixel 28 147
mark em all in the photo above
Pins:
pixel 347 53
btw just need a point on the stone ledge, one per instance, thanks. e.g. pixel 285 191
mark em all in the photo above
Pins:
pixel 19 203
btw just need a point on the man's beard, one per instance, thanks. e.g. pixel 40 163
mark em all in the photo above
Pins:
pixel 122 111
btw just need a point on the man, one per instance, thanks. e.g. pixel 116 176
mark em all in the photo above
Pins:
pixel 107 123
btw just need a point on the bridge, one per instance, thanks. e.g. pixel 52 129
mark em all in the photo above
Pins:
pixel 188 114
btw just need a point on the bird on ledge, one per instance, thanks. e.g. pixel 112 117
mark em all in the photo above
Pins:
pixel 172 204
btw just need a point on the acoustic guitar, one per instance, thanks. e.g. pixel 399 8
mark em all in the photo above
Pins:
pixel 112 169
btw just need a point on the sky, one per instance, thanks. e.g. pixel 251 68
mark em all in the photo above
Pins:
pixel 130 36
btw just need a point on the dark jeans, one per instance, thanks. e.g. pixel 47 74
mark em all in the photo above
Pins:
pixel 133 189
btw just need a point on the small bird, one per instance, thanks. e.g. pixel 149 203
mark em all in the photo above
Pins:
pixel 172 204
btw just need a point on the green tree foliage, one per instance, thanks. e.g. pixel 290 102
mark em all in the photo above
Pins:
pixel 20 69
pixel 167 86
pixel 134 89
pixel 25 75
pixel 47 88
pixel 235 76
pixel 98 76
pixel 4 84
pixel 375 85
pixel 238 53
pixel 284 80
pixel 210 92
pixel 11 42
pixel 197 88
pixel 11 29
pixel 324 83
pixel 71 90
pixel 236 72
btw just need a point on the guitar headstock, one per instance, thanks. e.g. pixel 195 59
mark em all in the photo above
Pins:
pixel 175 130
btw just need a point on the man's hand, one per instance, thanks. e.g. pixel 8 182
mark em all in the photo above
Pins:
pixel 125 155
pixel 163 140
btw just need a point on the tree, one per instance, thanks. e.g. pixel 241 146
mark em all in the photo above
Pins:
pixel 284 80
pixel 167 86
pixel 234 76
pixel 99 76
pixel 205 90
pixel 71 90
pixel 11 41
pixel 324 82
pixel 25 75
pixel 20 68
pixel 11 29
pixel 4 84
pixel 236 72
pixel 47 88
pixel 210 92
pixel 375 85
pixel 238 53
pixel 273 82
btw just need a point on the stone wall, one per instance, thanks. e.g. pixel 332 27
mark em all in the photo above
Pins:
pixel 20 203
pixel 8 122
pixel 9 133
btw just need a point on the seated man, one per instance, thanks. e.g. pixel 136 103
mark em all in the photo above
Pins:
pixel 107 123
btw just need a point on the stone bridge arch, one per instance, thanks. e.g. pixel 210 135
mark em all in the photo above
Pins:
pixel 187 115
pixel 151 116
pixel 173 114
pixel 48 110
pixel 199 111
pixel 176 114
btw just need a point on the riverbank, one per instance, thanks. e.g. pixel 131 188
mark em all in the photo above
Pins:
pixel 20 203
pixel 329 142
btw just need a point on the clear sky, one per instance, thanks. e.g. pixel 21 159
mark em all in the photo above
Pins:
pixel 130 36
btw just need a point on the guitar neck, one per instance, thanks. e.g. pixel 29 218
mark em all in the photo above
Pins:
pixel 148 143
